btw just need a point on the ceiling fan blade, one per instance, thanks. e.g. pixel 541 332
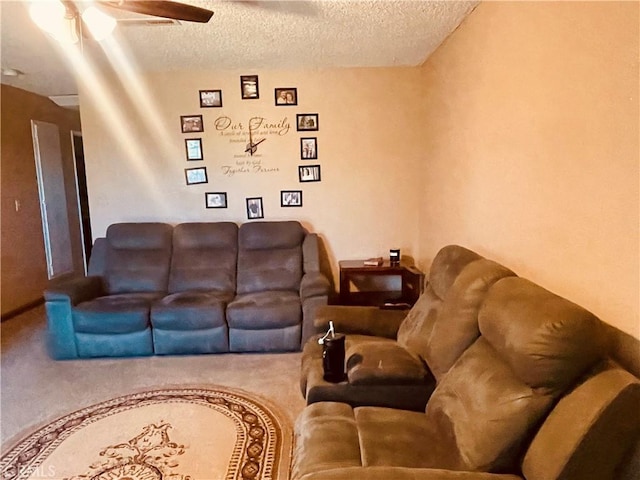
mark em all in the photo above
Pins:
pixel 165 9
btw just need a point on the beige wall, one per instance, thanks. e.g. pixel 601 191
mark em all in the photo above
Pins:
pixel 370 129
pixel 532 153
pixel 518 138
pixel 24 269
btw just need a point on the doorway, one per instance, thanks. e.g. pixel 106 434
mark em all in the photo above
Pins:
pixel 53 201
pixel 83 196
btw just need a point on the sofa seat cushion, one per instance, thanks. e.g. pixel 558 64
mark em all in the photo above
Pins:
pixel 190 310
pixel 402 473
pixel 326 438
pixel 121 313
pixel 333 435
pixel 402 439
pixel 264 310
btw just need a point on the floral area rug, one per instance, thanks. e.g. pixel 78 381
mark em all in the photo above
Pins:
pixel 173 434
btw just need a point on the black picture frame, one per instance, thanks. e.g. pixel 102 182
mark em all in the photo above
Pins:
pixel 286 96
pixel 291 198
pixel 309 148
pixel 210 98
pixel 309 173
pixel 254 208
pixel 191 123
pixel 307 122
pixel 195 176
pixel 193 148
pixel 215 199
pixel 249 87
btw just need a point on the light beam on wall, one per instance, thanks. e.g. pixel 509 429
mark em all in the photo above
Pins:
pixel 99 24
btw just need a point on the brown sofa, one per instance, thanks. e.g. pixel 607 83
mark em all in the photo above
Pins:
pixel 395 361
pixel 516 381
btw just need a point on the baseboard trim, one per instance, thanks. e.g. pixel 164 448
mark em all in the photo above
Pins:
pixel 17 311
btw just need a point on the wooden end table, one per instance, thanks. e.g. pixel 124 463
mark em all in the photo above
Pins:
pixel 412 283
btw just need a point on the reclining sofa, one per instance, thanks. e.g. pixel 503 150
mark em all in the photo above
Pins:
pixel 489 376
pixel 153 288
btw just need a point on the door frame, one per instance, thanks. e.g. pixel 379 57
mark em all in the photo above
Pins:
pixel 45 200
pixel 74 134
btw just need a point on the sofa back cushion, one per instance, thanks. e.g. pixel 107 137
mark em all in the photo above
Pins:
pixel 447 265
pixel 137 257
pixel 98 259
pixel 533 346
pixel 270 256
pixel 456 327
pixel 415 331
pixel 204 257
pixel 547 340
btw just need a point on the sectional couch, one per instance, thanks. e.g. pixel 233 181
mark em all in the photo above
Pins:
pixel 153 288
pixel 489 376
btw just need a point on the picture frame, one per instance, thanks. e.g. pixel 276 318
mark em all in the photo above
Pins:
pixel 309 173
pixel 191 123
pixel 291 198
pixel 286 96
pixel 254 208
pixel 193 147
pixel 308 148
pixel 215 199
pixel 249 87
pixel 196 175
pixel 306 122
pixel 210 98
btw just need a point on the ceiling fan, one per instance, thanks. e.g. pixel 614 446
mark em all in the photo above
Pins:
pixel 64 21
pixel 164 9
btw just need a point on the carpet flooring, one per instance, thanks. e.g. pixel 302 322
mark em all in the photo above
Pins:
pixel 34 390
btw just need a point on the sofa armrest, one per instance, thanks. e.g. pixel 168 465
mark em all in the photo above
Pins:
pixel 314 294
pixel 577 434
pixel 360 320
pixel 59 299
pixel 314 284
pixel 402 473
pixel 75 290
pixel 385 363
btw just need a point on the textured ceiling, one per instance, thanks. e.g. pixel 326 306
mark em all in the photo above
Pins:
pixel 255 35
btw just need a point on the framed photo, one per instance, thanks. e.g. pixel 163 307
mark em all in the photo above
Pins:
pixel 196 175
pixel 194 148
pixel 191 123
pixel 291 198
pixel 309 174
pixel 307 121
pixel 216 199
pixel 286 96
pixel 249 86
pixel 309 148
pixel 254 208
pixel 210 98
